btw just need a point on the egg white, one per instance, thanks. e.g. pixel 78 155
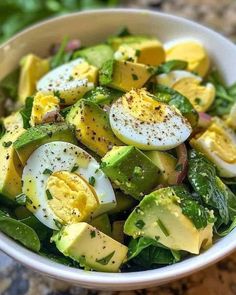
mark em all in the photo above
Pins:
pixel 58 156
pixel 149 136
pixel 225 169
pixel 174 42
pixel 174 76
pixel 59 80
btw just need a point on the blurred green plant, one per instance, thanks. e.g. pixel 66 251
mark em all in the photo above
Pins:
pixel 18 14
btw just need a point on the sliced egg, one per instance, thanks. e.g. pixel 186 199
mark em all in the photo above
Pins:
pixel 189 85
pixel 64 185
pixel 70 81
pixel 190 50
pixel 218 144
pixel 174 76
pixel 138 119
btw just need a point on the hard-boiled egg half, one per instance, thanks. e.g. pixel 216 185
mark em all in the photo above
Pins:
pixel 191 51
pixel 218 144
pixel 189 85
pixel 138 119
pixel 64 185
pixel 70 81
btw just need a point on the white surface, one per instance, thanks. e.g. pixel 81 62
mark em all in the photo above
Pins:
pixel 38 39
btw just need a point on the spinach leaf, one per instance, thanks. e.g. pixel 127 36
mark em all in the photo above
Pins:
pixel 170 96
pixel 171 65
pixel 224 231
pixel 138 245
pixel 26 111
pixel 199 215
pixel 42 231
pixel 106 72
pixel 61 56
pixel 225 96
pixel 9 85
pixel 2 129
pixel 19 232
pixel 202 176
pixel 103 95
pixel 147 253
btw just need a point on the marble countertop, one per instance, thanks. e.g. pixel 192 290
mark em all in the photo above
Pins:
pixel 219 279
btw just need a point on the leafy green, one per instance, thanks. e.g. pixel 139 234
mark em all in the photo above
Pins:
pixel 198 214
pixel 103 95
pixel 224 231
pixel 9 85
pixel 122 32
pixel 147 253
pixel 19 232
pixel 171 65
pixel 26 111
pixel 106 72
pixel 202 176
pixel 61 56
pixel 17 14
pixel 42 231
pixel 168 95
pixel 225 96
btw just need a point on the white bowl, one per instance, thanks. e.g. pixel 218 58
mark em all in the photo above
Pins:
pixel 92 27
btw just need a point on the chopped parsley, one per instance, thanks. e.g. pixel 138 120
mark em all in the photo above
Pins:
pixel 105 260
pixel 197 100
pixel 21 199
pixel 74 168
pixel 139 223
pixel 6 144
pixel 92 234
pixel 135 77
pixel 137 52
pixel 92 180
pixel 58 224
pixel 49 195
pixel 163 228
pixel 47 171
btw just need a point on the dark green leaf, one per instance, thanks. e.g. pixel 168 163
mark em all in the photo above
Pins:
pixel 137 245
pixel 105 260
pixel 106 72
pixel 26 111
pixel 20 232
pixel 171 66
pixel 172 97
pixel 202 176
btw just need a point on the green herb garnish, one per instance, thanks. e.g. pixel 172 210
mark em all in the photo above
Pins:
pixel 139 223
pixel 105 260
pixel 49 195
pixel 163 228
pixel 92 180
pixel 47 171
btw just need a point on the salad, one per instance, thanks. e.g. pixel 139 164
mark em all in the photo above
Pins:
pixel 119 156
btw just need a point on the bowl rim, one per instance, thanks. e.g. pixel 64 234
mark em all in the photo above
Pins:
pixel 131 280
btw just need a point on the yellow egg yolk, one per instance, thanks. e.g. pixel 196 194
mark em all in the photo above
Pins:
pixel 192 52
pixel 200 96
pixel 70 197
pixel 85 71
pixel 141 105
pixel 45 109
pixel 221 143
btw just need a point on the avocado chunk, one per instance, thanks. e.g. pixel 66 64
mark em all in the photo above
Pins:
pixel 90 247
pixel 41 134
pixel 103 95
pixel 123 203
pixel 32 69
pixel 139 49
pixel 92 127
pixel 165 162
pixel 173 218
pixel 11 168
pixel 124 75
pixel 95 55
pixel 13 121
pixel 131 170
pixel 102 223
